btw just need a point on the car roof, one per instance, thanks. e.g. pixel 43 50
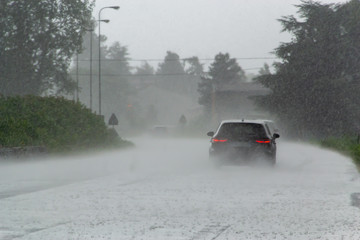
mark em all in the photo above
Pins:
pixel 243 121
pixel 265 120
pixel 240 121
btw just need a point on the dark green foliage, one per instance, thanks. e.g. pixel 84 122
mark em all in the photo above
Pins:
pixel 115 80
pixel 178 75
pixel 206 91
pixel 37 42
pixel 119 54
pixel 171 65
pixel 223 72
pixel 265 70
pixel 56 123
pixel 315 90
pixel 347 145
pixel 195 67
pixel 115 77
pixel 171 73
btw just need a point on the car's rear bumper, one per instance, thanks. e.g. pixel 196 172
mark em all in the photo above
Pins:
pixel 241 155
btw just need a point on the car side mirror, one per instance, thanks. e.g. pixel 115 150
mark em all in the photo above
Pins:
pixel 210 134
pixel 276 135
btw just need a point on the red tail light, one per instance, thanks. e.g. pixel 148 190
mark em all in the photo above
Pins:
pixel 263 141
pixel 215 140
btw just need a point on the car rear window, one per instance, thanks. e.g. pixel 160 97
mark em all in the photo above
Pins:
pixel 241 130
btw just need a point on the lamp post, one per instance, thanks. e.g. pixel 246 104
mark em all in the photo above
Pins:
pixel 77 77
pixel 99 19
pixel 91 30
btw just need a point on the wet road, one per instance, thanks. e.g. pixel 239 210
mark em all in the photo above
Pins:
pixel 167 189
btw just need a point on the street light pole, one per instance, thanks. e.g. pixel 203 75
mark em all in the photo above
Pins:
pixel 91 39
pixel 91 61
pixel 77 77
pixel 99 19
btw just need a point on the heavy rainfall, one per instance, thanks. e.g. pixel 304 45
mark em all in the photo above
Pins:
pixel 234 120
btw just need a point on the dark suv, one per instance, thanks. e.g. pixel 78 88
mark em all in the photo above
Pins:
pixel 237 141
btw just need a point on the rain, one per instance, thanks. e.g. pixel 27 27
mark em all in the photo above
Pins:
pixel 112 117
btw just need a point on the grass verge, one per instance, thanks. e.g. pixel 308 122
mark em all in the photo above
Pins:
pixel 347 145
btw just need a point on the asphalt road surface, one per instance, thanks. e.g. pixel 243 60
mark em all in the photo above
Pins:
pixel 167 189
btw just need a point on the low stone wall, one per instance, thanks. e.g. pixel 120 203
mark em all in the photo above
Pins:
pixel 22 152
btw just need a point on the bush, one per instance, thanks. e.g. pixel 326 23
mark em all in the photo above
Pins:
pixel 56 123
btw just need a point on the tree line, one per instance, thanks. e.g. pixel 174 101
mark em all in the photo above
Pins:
pixel 314 87
pixel 123 83
pixel 37 42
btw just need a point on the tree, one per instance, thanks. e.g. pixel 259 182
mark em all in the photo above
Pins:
pixel 195 67
pixel 115 81
pixel 144 69
pixel 171 65
pixel 182 121
pixel 37 42
pixel 171 73
pixel 119 54
pixel 265 70
pixel 206 91
pixel 144 76
pixel 223 72
pixel 315 87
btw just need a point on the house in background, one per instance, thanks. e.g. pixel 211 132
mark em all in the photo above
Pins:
pixel 235 101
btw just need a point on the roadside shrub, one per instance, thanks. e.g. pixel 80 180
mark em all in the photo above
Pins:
pixel 56 123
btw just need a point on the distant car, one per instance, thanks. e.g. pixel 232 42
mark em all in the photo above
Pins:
pixel 241 141
pixel 159 130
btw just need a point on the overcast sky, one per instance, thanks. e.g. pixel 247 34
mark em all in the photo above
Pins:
pixel 202 28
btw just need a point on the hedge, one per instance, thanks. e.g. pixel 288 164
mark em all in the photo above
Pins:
pixel 53 122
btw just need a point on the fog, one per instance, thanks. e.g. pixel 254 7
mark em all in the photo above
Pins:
pixel 157 156
pixel 185 67
pixel 200 28
pixel 151 77
pixel 166 188
pixel 151 155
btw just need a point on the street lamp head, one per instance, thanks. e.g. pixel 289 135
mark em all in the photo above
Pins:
pixel 115 7
pixel 105 20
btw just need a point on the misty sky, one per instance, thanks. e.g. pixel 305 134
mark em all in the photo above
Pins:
pixel 203 28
